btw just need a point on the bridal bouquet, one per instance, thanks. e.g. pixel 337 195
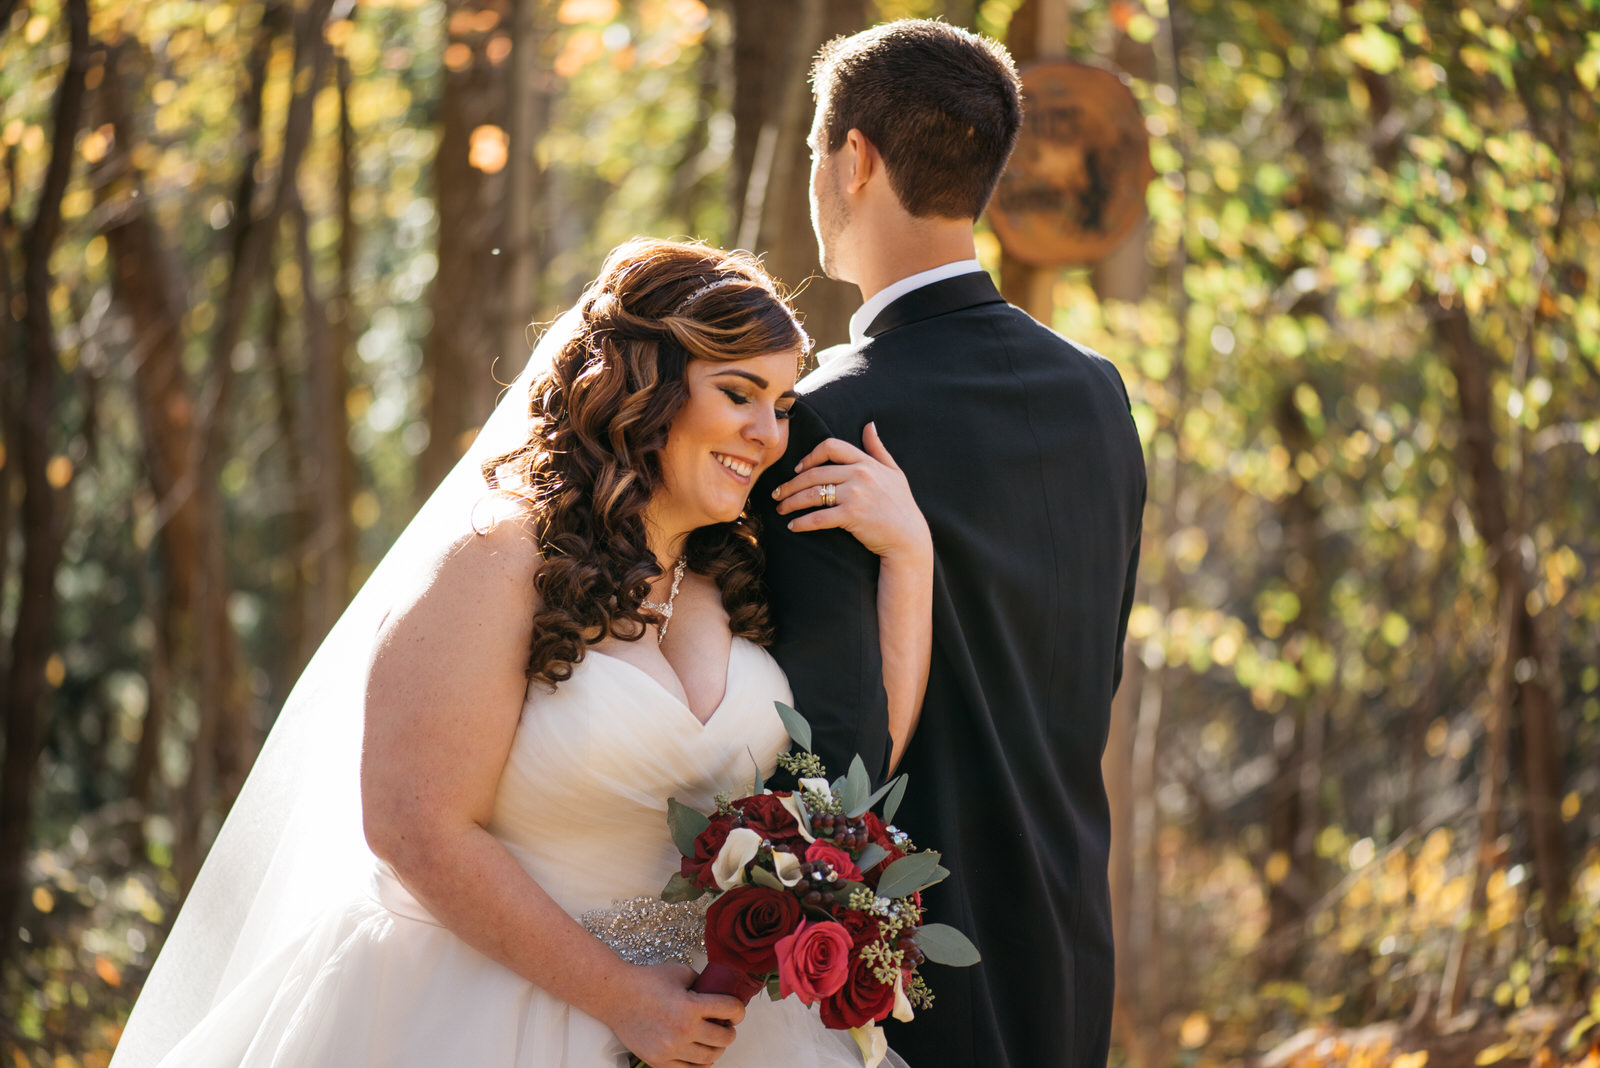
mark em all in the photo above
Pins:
pixel 816 896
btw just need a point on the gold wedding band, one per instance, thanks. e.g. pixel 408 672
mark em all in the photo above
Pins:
pixel 830 495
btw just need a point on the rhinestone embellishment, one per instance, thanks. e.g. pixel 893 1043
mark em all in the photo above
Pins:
pixel 647 930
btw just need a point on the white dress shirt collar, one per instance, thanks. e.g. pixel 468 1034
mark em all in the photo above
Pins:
pixel 895 290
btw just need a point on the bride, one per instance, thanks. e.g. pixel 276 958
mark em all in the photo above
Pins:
pixel 430 851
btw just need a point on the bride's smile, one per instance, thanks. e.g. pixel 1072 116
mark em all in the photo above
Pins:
pixel 732 427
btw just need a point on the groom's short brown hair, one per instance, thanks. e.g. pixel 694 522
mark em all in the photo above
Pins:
pixel 942 105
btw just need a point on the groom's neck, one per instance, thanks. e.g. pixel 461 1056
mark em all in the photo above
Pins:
pixel 901 246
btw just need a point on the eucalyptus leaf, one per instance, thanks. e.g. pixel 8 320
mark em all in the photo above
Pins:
pixel 680 888
pixel 856 786
pixel 842 891
pixel 762 877
pixel 896 795
pixel 796 725
pixel 908 874
pixel 940 874
pixel 943 944
pixel 686 824
pixel 761 780
pixel 877 796
pixel 871 856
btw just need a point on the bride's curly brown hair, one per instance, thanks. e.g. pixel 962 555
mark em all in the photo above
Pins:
pixel 599 418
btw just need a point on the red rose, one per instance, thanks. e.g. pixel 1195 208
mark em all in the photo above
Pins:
pixel 743 927
pixel 706 845
pixel 814 961
pixel 862 998
pixel 765 815
pixel 864 927
pixel 835 858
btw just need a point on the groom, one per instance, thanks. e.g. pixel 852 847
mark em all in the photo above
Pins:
pixel 1020 449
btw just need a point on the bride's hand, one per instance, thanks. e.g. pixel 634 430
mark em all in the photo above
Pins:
pixel 870 496
pixel 667 1025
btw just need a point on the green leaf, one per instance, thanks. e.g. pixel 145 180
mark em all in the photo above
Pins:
pixel 909 874
pixel 943 944
pixel 762 877
pixel 761 780
pixel 680 888
pixel 871 856
pixel 1373 49
pixel 855 787
pixel 796 725
pixel 686 824
pixel 843 890
pixel 874 799
pixel 774 991
pixel 896 795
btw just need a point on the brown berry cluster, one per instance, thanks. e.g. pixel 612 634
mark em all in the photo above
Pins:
pixel 907 944
pixel 846 833
pixel 818 880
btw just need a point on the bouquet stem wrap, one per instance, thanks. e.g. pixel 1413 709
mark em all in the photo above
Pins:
pixel 719 979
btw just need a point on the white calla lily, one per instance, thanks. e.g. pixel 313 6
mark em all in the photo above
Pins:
pixel 818 786
pixel 739 849
pixel 798 811
pixel 787 867
pixel 873 1042
pixel 902 1004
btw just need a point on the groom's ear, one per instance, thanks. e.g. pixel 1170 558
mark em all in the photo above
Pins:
pixel 863 159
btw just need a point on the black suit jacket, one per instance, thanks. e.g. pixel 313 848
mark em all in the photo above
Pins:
pixel 1022 454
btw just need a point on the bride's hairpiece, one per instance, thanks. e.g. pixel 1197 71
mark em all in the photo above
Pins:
pixel 715 283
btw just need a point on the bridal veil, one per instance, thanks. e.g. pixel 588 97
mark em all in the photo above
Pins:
pixel 293 842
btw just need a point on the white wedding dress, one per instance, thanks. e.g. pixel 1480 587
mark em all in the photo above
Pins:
pixel 581 805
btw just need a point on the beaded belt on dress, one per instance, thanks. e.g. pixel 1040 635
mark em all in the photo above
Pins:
pixel 647 930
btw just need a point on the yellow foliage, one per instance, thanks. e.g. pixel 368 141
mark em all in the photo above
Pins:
pixel 1196 1030
pixel 573 12
pixel 43 899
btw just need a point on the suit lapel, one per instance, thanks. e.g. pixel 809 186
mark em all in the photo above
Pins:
pixel 939 298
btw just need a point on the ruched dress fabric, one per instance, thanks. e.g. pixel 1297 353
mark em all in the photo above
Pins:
pixel 581 805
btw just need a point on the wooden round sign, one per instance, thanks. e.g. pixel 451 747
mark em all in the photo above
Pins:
pixel 1075 185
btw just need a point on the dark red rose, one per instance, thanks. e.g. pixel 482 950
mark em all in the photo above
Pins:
pixel 743 927
pixel 765 815
pixel 835 858
pixel 706 846
pixel 864 927
pixel 862 998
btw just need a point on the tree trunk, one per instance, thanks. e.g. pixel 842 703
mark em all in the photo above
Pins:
pixel 328 469
pixel 1293 817
pixel 43 504
pixel 1491 779
pixel 226 741
pixel 531 96
pixel 468 298
pixel 773 46
pixel 1528 702
pixel 1038 30
pixel 12 359
pixel 146 286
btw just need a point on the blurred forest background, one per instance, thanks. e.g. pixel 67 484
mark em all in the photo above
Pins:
pixel 264 263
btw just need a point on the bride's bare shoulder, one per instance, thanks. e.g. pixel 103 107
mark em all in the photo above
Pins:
pixel 488 566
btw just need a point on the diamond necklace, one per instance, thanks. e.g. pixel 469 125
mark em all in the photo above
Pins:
pixel 665 610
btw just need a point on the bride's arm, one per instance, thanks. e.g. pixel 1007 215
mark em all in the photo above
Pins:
pixel 444 695
pixel 874 503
